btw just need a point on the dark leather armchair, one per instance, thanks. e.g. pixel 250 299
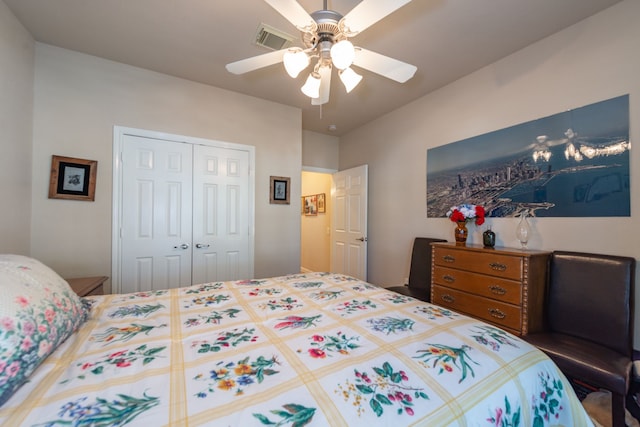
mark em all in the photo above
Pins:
pixel 590 309
pixel 420 271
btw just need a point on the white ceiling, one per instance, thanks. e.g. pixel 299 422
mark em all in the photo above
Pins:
pixel 194 39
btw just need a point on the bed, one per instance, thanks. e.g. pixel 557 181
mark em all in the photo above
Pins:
pixel 316 349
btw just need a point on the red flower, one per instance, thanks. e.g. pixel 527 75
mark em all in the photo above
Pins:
pixel 457 216
pixel 283 325
pixel 317 353
pixel 117 354
pixel 479 215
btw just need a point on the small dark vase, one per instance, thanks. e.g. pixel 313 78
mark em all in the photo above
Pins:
pixel 461 233
pixel 489 238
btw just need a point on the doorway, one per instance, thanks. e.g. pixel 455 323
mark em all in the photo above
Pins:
pixel 315 233
pixel 337 240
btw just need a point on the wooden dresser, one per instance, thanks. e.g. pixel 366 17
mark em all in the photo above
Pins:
pixel 502 286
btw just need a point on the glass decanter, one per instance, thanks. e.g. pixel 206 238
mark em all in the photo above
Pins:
pixel 523 231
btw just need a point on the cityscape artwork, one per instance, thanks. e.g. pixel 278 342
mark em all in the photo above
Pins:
pixel 570 164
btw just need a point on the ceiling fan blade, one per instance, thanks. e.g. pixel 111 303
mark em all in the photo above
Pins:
pixel 294 13
pixel 383 65
pixel 255 62
pixel 325 86
pixel 368 12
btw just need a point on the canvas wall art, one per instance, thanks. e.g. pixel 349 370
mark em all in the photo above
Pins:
pixel 570 164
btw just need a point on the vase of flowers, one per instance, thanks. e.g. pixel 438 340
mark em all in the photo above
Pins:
pixel 461 215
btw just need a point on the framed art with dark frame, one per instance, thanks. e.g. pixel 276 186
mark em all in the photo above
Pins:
pixel 72 178
pixel 279 190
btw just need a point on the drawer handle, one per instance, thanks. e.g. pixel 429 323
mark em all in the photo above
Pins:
pixel 497 266
pixel 449 258
pixel 497 290
pixel 494 312
pixel 448 298
pixel 448 279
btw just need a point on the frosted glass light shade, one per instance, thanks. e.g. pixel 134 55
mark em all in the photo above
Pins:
pixel 295 60
pixel 342 54
pixel 312 86
pixel 350 79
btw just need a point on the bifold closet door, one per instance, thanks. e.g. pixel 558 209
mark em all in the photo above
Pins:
pixel 185 214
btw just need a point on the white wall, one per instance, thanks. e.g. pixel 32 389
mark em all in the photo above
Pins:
pixel 596 59
pixel 78 100
pixel 17 52
pixel 320 151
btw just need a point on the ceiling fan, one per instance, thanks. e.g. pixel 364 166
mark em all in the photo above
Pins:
pixel 325 35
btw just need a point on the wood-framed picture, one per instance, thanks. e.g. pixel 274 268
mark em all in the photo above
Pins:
pixel 310 205
pixel 279 190
pixel 72 178
pixel 322 207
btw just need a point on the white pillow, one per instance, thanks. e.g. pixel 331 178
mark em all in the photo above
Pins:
pixel 38 312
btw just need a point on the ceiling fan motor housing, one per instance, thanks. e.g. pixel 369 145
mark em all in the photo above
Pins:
pixel 327 33
pixel 328 28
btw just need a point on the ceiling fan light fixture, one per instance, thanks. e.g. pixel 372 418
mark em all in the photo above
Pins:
pixel 295 60
pixel 312 86
pixel 343 54
pixel 324 37
pixel 349 78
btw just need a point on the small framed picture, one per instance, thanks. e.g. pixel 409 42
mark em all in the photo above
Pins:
pixel 310 205
pixel 322 208
pixel 73 179
pixel 279 190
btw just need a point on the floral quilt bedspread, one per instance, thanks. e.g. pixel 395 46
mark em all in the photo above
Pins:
pixel 314 349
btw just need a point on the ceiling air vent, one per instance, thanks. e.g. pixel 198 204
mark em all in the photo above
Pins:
pixel 273 39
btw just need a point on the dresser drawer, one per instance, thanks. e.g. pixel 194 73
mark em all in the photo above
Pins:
pixel 492 287
pixel 498 313
pixel 495 264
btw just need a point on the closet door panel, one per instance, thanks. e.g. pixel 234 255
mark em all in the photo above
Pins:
pixel 156 229
pixel 220 214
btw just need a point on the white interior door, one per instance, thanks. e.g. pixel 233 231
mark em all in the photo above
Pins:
pixel 220 217
pixel 349 222
pixel 183 211
pixel 156 225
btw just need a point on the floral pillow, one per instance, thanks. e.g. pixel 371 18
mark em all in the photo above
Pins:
pixel 38 311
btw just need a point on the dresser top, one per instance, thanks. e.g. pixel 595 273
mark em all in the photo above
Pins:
pixel 498 249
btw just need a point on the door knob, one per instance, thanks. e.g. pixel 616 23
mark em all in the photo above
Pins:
pixel 201 245
pixel 362 239
pixel 182 246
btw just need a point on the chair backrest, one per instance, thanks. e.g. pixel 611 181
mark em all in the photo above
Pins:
pixel 591 296
pixel 420 272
